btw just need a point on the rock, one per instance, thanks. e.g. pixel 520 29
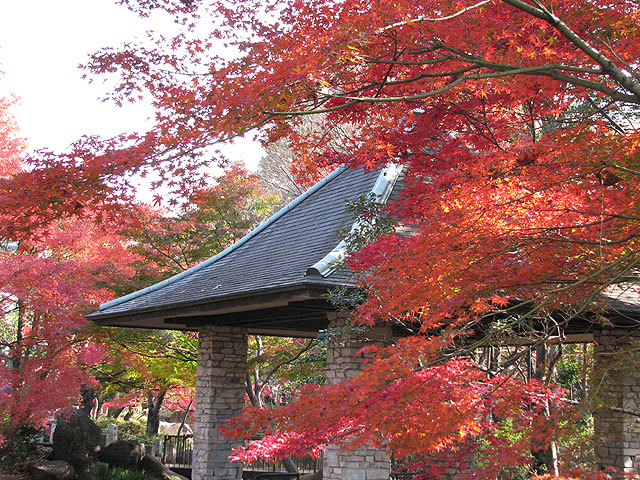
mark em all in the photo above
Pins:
pixel 75 438
pixel 169 474
pixel 8 477
pixel 43 451
pixel 124 454
pixel 154 467
pixel 52 470
pixel 312 476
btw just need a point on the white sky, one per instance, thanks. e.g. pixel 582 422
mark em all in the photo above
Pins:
pixel 41 44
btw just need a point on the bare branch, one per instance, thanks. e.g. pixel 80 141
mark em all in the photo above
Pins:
pixel 286 362
pixel 435 19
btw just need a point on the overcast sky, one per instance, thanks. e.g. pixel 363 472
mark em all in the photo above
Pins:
pixel 41 44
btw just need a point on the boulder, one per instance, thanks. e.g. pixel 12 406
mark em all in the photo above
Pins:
pixel 51 470
pixel 43 451
pixel 124 454
pixel 169 474
pixel 152 466
pixel 75 438
pixel 312 476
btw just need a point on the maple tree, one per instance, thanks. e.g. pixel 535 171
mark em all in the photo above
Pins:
pixel 517 121
pixel 47 287
pixel 11 145
pixel 392 404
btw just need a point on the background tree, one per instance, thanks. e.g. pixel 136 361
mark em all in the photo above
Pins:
pixel 282 174
pixel 207 221
pixel 146 368
pixel 150 365
pixel 276 173
pixel 278 367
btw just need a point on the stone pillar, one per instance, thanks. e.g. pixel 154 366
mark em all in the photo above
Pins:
pixel 156 447
pixel 343 364
pixel 617 434
pixel 220 391
pixel 112 435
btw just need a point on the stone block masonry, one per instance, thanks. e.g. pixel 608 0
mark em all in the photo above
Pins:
pixel 618 433
pixel 343 364
pixel 220 391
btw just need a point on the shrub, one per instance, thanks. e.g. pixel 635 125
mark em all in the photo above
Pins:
pixel 18 448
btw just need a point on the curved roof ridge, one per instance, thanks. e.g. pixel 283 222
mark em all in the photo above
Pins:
pixel 228 250
pixel 383 187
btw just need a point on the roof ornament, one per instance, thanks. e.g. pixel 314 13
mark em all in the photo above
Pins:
pixel 381 189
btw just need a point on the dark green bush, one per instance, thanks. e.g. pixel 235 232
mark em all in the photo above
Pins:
pixel 19 448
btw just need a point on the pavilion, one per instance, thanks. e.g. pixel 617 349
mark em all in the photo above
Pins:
pixel 274 281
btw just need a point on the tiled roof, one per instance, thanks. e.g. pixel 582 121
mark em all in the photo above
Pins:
pixel 624 298
pixel 273 257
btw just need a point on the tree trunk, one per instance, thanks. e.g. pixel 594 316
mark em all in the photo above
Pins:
pixel 88 396
pixel 251 393
pixel 546 461
pixel 289 466
pixel 184 418
pixel 128 415
pixel 115 412
pixel 16 358
pixel 153 411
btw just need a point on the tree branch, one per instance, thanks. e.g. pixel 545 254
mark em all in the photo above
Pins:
pixel 286 362
pixel 625 79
